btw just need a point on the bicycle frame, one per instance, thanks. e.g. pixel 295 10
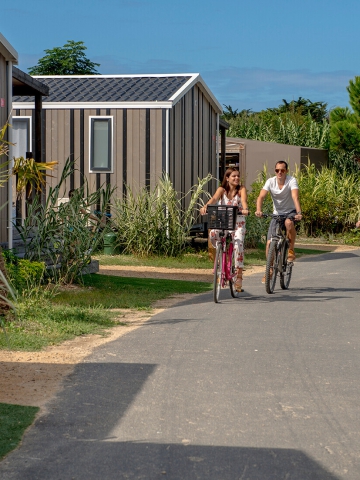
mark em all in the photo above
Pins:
pixel 224 269
pixel 280 238
pixel 277 257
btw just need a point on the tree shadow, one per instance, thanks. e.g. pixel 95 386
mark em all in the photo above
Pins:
pixel 328 256
pixel 73 440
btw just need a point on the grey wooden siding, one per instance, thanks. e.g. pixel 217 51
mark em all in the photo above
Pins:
pixel 192 140
pixel 67 136
pixel 139 144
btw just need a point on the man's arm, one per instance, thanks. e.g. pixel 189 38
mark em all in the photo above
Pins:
pixel 295 197
pixel 260 201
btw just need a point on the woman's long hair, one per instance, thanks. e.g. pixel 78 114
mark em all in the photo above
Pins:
pixel 225 183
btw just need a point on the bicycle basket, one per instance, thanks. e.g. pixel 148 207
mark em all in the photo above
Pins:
pixel 222 217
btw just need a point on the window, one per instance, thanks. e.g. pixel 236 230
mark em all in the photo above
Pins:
pixel 21 136
pixel 101 137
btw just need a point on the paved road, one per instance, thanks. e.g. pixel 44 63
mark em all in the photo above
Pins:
pixel 265 387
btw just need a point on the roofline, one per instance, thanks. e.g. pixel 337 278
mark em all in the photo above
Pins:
pixel 128 75
pixel 90 105
pixel 29 82
pixel 8 51
pixel 195 78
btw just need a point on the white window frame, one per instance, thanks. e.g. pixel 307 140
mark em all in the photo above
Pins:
pixel 29 122
pixel 102 117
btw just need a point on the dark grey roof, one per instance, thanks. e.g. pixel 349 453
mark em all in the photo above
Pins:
pixel 24 84
pixel 110 89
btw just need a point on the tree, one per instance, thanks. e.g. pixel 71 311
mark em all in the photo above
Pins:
pixel 303 107
pixel 345 124
pixel 67 60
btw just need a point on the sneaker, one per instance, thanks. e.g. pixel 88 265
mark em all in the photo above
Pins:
pixel 291 255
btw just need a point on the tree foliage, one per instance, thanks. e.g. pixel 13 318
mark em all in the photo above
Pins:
pixel 67 60
pixel 299 122
pixel 345 124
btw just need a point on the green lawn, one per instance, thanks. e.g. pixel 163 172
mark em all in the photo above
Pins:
pixel 108 291
pixel 14 420
pixel 199 260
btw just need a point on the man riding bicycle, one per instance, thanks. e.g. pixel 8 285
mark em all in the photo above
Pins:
pixel 284 191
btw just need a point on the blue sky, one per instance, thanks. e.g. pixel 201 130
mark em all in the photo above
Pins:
pixel 251 54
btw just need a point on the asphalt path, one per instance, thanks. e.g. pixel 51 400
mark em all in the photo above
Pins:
pixel 261 387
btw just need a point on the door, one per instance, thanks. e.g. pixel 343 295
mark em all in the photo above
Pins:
pixel 21 137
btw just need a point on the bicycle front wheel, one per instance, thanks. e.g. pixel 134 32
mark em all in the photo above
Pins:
pixel 218 272
pixel 271 267
pixel 232 272
pixel 285 275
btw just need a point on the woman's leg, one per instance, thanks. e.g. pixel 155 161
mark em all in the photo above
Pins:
pixel 239 238
pixel 214 237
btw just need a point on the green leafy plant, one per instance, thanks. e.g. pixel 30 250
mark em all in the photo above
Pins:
pixel 60 235
pixel 24 273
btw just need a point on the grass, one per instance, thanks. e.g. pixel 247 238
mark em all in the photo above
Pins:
pixel 14 420
pixel 43 321
pixel 187 260
pixel 37 326
pixel 106 291
pixel 199 260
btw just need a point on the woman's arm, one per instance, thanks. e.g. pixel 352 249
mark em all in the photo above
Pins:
pixel 214 199
pixel 243 196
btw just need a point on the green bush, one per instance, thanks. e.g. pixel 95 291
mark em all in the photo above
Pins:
pixel 24 273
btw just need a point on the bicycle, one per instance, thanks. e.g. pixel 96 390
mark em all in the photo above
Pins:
pixel 277 262
pixel 223 217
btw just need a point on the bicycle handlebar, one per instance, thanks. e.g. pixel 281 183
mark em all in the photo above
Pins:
pixel 279 216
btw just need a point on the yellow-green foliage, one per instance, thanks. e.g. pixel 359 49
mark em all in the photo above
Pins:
pixel 25 274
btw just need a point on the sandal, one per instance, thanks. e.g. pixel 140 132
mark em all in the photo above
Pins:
pixel 238 285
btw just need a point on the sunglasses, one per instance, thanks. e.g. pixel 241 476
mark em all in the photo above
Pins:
pixel 282 170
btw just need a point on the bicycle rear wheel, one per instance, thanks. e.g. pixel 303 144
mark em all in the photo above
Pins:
pixel 232 272
pixel 271 267
pixel 218 267
pixel 285 275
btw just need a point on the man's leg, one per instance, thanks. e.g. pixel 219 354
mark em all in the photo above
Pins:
pixel 291 235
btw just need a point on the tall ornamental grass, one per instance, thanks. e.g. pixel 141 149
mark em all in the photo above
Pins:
pixel 287 129
pixel 155 222
pixel 330 199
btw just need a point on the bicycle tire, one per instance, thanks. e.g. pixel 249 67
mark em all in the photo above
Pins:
pixel 271 267
pixel 285 275
pixel 233 273
pixel 218 272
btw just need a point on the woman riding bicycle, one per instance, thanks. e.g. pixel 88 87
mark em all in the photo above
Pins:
pixel 232 192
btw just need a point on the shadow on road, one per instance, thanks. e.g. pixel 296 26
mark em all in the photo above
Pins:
pixel 117 460
pixel 328 256
pixel 75 440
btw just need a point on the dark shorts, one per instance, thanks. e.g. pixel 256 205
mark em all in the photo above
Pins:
pixel 273 222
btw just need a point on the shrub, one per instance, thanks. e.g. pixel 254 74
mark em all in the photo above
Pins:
pixel 24 273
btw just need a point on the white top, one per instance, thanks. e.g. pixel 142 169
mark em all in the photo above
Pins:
pixel 236 201
pixel 282 199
